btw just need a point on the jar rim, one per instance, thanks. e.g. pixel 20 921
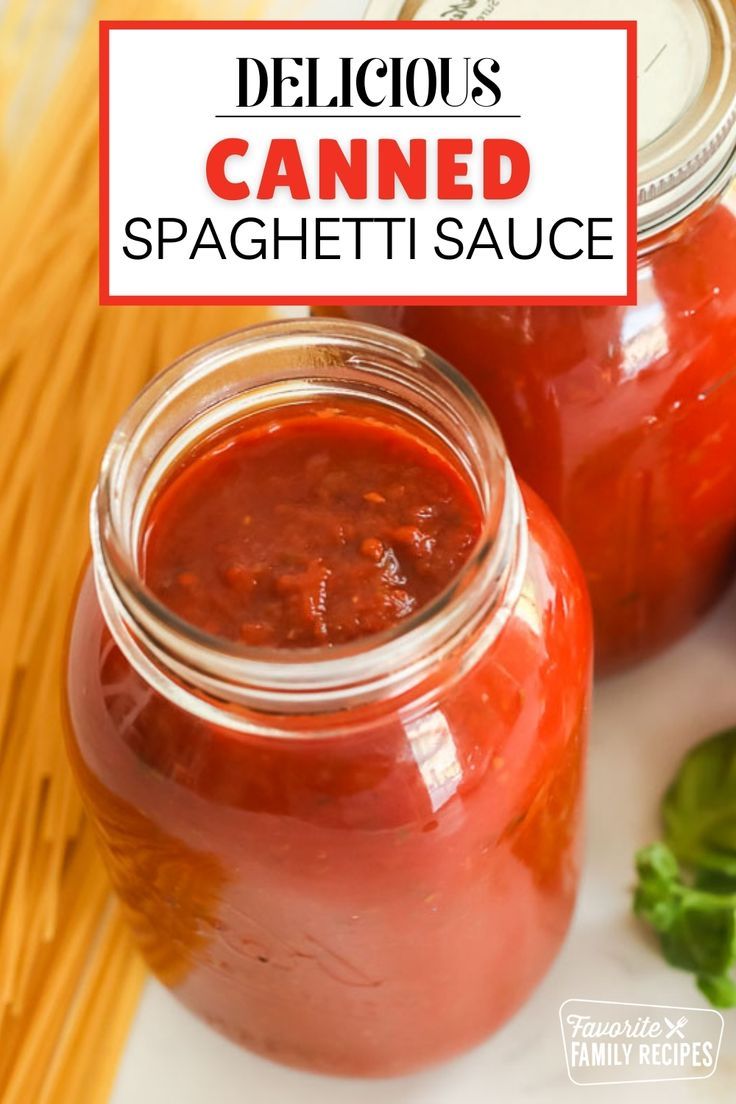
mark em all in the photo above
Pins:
pixel 294 678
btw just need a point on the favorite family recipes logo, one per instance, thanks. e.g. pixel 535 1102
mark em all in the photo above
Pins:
pixel 607 1043
pixel 376 162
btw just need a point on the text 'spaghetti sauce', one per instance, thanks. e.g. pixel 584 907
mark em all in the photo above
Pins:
pixel 361 874
pixel 624 418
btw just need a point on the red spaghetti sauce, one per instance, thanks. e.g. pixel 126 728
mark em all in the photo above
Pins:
pixel 308 529
pixel 360 888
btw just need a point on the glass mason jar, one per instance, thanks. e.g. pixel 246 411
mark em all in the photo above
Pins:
pixel 359 859
pixel 624 418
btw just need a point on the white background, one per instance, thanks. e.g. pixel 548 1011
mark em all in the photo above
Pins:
pixel 569 87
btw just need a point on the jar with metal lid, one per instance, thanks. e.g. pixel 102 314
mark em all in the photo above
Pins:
pixel 624 418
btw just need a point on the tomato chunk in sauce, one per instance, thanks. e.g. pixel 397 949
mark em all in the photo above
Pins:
pixel 312 528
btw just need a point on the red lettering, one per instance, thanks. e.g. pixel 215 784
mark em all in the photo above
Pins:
pixel 449 168
pixel 495 152
pixel 394 166
pixel 216 163
pixel 506 169
pixel 352 171
pixel 283 169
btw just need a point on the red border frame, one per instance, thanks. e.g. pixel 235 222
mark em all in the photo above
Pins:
pixel 106 299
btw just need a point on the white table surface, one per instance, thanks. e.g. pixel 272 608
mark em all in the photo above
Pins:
pixel 643 723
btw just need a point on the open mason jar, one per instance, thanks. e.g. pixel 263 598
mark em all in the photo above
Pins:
pixel 357 858
pixel 624 418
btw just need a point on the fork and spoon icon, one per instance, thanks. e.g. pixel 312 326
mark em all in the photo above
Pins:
pixel 675 1028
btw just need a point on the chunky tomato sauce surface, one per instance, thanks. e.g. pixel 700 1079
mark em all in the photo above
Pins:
pixel 311 528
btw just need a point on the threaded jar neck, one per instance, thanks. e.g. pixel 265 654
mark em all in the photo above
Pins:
pixel 266 368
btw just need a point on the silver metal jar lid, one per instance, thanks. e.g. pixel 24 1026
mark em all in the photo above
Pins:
pixel 687 87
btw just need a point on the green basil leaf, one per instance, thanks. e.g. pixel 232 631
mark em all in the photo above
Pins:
pixel 715 881
pixel 720 991
pixel 657 863
pixel 699 808
pixel 656 899
pixel 702 938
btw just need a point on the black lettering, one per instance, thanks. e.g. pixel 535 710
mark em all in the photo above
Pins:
pixel 357 224
pixel 446 82
pixel 512 242
pixel 411 82
pixel 360 81
pixel 487 82
pixel 593 238
pixel 320 237
pixel 553 235
pixel 448 238
pixel 259 242
pixel 280 79
pixel 137 238
pixel 278 238
pixel 313 86
pixel 200 243
pixel 478 243
pixel 162 237
pixel 244 64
